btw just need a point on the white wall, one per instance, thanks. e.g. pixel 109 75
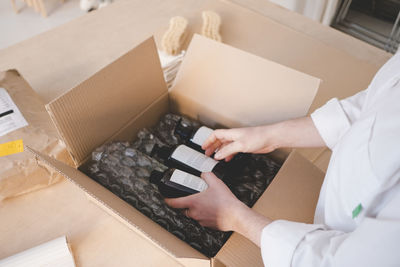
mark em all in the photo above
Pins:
pixel 318 10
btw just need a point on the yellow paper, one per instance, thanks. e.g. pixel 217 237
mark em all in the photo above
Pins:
pixel 12 147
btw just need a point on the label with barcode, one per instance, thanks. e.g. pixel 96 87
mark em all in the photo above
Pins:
pixel 201 135
pixel 188 180
pixel 194 159
pixel 11 118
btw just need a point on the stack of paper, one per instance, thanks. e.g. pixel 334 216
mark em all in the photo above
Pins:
pixel 52 253
pixel 170 65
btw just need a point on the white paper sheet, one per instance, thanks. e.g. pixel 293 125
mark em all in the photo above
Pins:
pixel 10 117
pixel 170 65
pixel 52 253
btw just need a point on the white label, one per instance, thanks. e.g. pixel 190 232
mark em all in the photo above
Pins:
pixel 194 159
pixel 10 117
pixel 188 180
pixel 201 135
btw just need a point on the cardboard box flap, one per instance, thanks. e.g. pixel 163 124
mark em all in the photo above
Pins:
pixel 292 195
pixel 123 211
pixel 92 112
pixel 236 88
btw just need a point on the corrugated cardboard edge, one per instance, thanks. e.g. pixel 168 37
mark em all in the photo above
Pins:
pixel 75 161
pixel 200 259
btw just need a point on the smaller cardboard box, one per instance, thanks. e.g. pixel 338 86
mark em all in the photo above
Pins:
pixel 218 85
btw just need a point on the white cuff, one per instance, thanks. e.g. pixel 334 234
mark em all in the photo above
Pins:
pixel 331 122
pixel 280 239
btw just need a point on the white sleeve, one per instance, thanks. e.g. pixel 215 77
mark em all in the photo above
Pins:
pixel 334 119
pixel 375 242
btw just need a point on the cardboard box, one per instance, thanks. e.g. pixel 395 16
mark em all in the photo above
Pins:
pixel 218 85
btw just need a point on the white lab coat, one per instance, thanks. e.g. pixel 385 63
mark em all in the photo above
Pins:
pixel 363 132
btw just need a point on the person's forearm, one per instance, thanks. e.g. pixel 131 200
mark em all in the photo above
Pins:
pixel 299 132
pixel 250 224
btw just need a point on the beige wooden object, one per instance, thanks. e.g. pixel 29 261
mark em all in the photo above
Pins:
pixel 14 6
pixel 38 5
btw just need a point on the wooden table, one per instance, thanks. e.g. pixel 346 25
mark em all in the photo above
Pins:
pixel 59 59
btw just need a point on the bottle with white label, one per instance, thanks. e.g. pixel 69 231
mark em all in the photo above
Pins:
pixel 193 137
pixel 189 160
pixel 176 183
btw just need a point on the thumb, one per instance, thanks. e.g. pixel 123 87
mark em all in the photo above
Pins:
pixel 180 202
pixel 223 135
pixel 227 150
pixel 210 178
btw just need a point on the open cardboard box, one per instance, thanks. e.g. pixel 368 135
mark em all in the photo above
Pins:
pixel 218 85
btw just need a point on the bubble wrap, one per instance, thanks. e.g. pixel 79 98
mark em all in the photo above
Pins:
pixel 124 168
pixel 247 183
pixel 125 171
pixel 257 173
pixel 165 129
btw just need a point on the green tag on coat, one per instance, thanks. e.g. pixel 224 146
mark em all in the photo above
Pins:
pixel 357 210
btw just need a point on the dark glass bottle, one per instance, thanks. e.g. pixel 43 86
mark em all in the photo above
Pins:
pixel 189 160
pixel 193 137
pixel 176 183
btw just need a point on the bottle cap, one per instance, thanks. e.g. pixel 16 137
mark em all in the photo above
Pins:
pixel 155 177
pixel 183 129
pixel 162 151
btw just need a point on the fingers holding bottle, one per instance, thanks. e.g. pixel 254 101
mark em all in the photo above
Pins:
pixel 216 207
pixel 219 140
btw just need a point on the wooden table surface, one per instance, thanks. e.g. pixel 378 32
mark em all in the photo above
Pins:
pixel 59 59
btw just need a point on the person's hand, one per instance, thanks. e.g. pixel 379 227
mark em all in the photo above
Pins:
pixel 300 132
pixel 216 207
pixel 227 142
